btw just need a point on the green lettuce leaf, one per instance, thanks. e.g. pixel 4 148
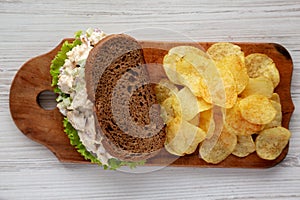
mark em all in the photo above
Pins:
pixel 115 163
pixel 75 141
pixel 59 60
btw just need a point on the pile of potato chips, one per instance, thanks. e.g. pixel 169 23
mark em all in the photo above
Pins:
pixel 223 101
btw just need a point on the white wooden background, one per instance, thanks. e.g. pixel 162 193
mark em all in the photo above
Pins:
pixel 28 28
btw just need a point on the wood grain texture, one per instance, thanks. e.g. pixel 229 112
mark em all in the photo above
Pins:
pixel 28 28
pixel 46 127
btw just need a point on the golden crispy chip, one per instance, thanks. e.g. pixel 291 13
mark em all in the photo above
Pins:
pixel 205 119
pixel 229 84
pixel 193 55
pixel 207 122
pixel 278 117
pixel 190 77
pixel 171 129
pixel 258 64
pixel 218 148
pixel 270 142
pixel 230 57
pixel 193 135
pixel 164 89
pixel 236 65
pixel 189 104
pixel 218 86
pixel 203 105
pixel 194 70
pixel 170 149
pixel 196 120
pixel 233 58
pixel 257 109
pixel 188 113
pixel 237 124
pixel 223 49
pixel 275 97
pixel 260 85
pixel 245 145
pixel 171 108
pixel 183 137
pixel 169 65
pixel 198 72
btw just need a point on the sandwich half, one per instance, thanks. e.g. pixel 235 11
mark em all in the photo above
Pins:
pixel 107 99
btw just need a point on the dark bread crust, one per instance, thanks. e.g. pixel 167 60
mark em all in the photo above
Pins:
pixel 117 83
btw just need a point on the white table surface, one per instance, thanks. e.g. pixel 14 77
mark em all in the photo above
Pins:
pixel 29 28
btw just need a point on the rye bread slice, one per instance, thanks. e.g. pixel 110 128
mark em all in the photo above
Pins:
pixel 118 84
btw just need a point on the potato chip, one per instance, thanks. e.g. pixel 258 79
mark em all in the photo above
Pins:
pixel 183 137
pixel 237 124
pixel 207 122
pixel 172 128
pixel 216 86
pixel 278 117
pixel 257 109
pixel 233 57
pixel 198 83
pixel 229 84
pixel 205 118
pixel 193 135
pixel 245 145
pixel 166 115
pixel 215 79
pixel 258 64
pixel 170 149
pixel 218 148
pixel 196 120
pixel 190 77
pixel 259 85
pixel 275 97
pixel 189 104
pixel 223 49
pixel 171 108
pixel 270 142
pixel 169 65
pixel 192 67
pixel 193 55
pixel 236 65
pixel 164 89
pixel 197 71
pixel 203 105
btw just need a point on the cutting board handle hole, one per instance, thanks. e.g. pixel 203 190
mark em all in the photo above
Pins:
pixel 47 100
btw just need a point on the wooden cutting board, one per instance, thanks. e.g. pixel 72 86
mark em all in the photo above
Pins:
pixel 45 126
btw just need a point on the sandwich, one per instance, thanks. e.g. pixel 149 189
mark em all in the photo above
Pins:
pixel 107 99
